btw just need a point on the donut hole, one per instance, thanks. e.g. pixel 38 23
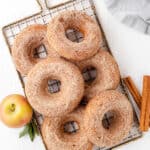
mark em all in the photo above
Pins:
pixel 71 127
pixel 110 120
pixel 89 74
pixel 69 130
pixel 53 86
pixel 74 35
pixel 84 101
pixel 40 51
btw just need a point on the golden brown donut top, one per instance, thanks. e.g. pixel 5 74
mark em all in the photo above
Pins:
pixel 25 44
pixel 116 103
pixel 79 21
pixel 71 88
pixel 57 139
pixel 107 73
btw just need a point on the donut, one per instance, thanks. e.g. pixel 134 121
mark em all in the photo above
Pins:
pixel 119 107
pixel 79 21
pixel 104 73
pixel 62 101
pixel 56 138
pixel 25 44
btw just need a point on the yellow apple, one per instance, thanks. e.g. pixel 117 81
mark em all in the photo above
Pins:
pixel 15 111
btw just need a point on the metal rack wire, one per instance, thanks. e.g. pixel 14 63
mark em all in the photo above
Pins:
pixel 43 17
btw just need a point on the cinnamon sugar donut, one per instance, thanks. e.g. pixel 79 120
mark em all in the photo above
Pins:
pixel 25 44
pixel 108 102
pixel 106 72
pixel 56 138
pixel 81 22
pixel 61 102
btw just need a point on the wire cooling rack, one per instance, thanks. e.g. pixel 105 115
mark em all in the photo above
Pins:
pixel 43 17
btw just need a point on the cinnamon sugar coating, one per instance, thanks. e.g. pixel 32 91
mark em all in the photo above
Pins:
pixel 81 22
pixel 56 139
pixel 25 44
pixel 71 88
pixel 107 76
pixel 116 103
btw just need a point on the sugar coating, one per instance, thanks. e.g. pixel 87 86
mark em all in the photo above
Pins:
pixel 110 100
pixel 71 89
pixel 108 75
pixel 81 22
pixel 25 43
pixel 55 138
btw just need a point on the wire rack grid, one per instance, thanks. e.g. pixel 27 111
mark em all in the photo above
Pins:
pixel 43 17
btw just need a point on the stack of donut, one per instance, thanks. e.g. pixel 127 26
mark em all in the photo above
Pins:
pixel 65 62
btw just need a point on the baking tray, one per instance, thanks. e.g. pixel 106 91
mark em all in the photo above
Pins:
pixel 43 17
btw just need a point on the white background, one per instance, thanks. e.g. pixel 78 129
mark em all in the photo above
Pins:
pixel 131 50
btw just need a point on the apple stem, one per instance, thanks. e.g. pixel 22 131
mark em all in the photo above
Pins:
pixel 12 108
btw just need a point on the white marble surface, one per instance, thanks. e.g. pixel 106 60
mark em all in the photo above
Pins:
pixel 131 49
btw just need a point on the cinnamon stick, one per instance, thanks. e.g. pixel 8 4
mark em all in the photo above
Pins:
pixel 133 90
pixel 145 107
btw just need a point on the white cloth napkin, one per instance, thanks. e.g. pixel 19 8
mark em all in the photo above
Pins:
pixel 134 13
